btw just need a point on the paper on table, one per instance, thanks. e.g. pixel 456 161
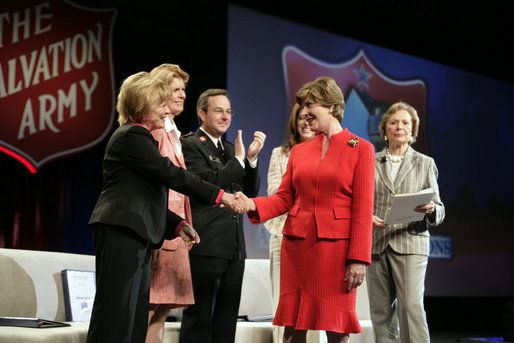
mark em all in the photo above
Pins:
pixel 402 206
pixel 79 287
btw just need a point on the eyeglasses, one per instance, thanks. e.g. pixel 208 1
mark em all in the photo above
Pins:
pixel 220 111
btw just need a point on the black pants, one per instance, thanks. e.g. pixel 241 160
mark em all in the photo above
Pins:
pixel 120 310
pixel 217 288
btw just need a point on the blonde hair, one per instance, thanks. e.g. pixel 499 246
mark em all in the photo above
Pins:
pixel 398 106
pixel 139 94
pixel 326 92
pixel 167 72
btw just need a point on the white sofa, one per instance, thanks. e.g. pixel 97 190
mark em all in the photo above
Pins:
pixel 31 286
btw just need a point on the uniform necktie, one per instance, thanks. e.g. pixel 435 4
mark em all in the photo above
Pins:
pixel 220 149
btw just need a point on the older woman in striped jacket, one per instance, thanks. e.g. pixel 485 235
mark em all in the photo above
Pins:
pixel 400 252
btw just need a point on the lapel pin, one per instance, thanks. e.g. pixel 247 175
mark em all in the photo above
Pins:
pixel 214 159
pixel 353 142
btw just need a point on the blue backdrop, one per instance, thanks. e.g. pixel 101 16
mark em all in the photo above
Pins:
pixel 467 126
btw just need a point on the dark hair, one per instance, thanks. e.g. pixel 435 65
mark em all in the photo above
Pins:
pixel 293 137
pixel 203 100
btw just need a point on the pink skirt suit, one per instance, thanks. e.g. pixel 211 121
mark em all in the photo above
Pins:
pixel 171 276
pixel 330 205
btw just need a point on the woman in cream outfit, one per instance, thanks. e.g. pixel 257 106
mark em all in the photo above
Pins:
pixel 298 131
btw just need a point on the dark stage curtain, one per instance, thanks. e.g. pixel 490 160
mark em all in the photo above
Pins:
pixel 50 210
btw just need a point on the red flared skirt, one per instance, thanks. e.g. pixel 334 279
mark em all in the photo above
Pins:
pixel 312 288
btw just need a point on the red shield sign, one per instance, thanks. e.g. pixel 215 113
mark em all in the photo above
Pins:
pixel 368 91
pixel 56 79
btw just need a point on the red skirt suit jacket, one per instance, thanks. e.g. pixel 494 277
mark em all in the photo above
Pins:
pixel 330 204
pixel 338 190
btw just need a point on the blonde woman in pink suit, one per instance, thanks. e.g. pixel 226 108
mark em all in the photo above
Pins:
pixel 298 131
pixel 327 191
pixel 171 284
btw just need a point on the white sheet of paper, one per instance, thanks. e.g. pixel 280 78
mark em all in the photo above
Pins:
pixel 402 206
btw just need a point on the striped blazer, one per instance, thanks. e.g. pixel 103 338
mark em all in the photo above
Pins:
pixel 417 172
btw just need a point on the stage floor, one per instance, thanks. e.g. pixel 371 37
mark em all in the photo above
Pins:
pixel 464 337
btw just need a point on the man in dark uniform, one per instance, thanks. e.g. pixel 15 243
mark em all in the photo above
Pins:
pixel 217 263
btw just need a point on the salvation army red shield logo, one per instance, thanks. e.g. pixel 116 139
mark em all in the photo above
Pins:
pixel 368 91
pixel 56 79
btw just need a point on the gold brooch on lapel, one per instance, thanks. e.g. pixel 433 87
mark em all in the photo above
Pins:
pixel 353 142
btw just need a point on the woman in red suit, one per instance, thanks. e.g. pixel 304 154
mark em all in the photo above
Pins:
pixel 328 192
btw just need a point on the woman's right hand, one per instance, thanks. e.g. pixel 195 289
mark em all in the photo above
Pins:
pixel 189 235
pixel 248 203
pixel 378 224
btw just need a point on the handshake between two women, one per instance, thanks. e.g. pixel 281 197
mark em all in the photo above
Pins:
pixel 238 203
